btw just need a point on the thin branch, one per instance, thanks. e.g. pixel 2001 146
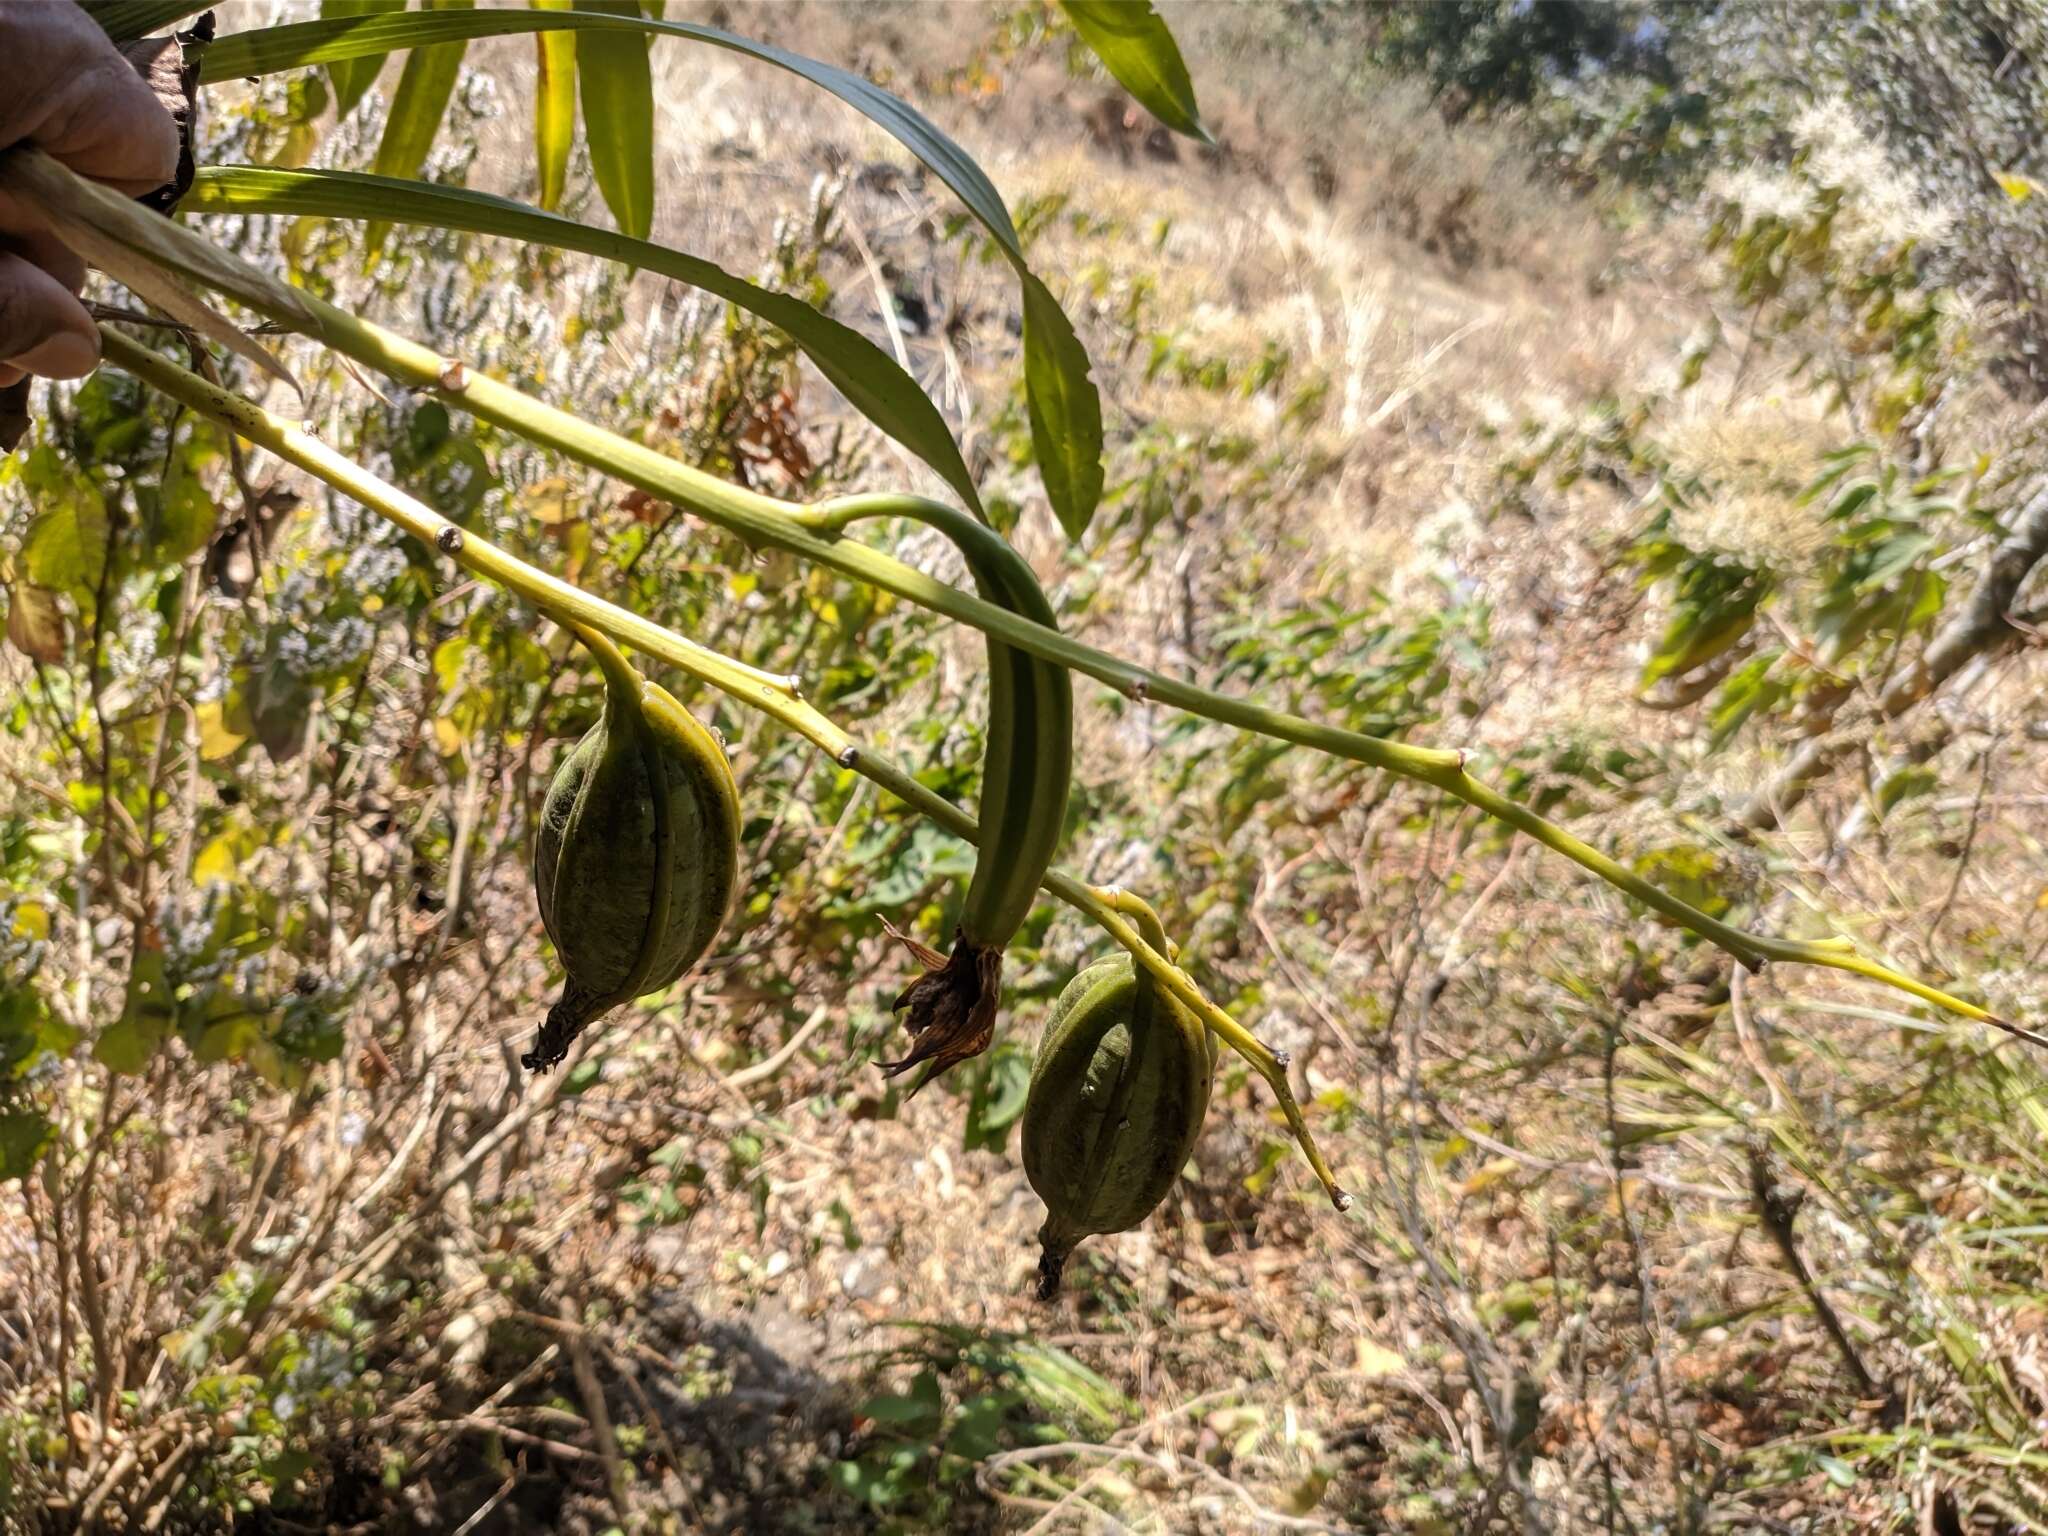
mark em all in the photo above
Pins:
pixel 811 534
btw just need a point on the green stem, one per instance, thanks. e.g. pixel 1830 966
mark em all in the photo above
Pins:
pixel 809 533
pixel 1134 906
pixel 39 181
pixel 774 696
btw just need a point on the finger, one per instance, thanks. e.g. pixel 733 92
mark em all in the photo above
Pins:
pixel 43 329
pixel 70 93
pixel 49 253
pixel 118 132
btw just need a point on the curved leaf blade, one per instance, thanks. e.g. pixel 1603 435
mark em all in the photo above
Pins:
pixel 352 78
pixel 618 117
pixel 870 379
pixel 1066 411
pixel 554 107
pixel 1134 43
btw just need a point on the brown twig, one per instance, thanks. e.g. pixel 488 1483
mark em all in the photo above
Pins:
pixel 1777 1208
pixel 592 1391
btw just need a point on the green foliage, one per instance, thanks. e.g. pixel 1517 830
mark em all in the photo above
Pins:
pixel 871 380
pixel 424 87
pixel 1065 410
pixel 973 1394
pixel 618 117
pixel 352 78
pixel 1135 46
pixel 1505 51
pixel 554 109
pixel 293 804
pixel 1674 96
pixel 1773 615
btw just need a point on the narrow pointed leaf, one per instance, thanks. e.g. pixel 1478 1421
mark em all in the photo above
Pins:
pixel 1131 40
pixel 156 286
pixel 554 107
pixel 417 107
pixel 351 78
pixel 870 379
pixel 1066 412
pixel 618 116
pixel 126 20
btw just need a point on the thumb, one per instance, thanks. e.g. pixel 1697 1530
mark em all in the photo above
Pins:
pixel 43 329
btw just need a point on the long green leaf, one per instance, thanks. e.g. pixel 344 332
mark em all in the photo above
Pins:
pixel 618 117
pixel 351 78
pixel 1066 412
pixel 1129 37
pixel 868 377
pixel 417 108
pixel 126 20
pixel 554 107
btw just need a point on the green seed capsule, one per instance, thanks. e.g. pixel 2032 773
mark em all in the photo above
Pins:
pixel 637 856
pixel 1119 1088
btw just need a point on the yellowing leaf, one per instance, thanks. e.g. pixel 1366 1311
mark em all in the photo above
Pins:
pixel 272 1064
pixel 229 1038
pixel 1376 1360
pixel 1308 1493
pixel 448 659
pixel 31 921
pixel 554 107
pixel 218 860
pixel 1489 1174
pixel 67 545
pixel 216 740
pixel 35 624
pixel 547 501
pixel 448 736
pixel 2017 186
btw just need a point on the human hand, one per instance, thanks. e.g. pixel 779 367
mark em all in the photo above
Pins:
pixel 73 96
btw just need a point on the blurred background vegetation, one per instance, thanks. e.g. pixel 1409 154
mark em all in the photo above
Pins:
pixel 1643 398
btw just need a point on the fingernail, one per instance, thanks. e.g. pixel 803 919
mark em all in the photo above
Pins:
pixel 66 355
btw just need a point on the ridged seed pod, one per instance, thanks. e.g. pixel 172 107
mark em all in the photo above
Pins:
pixel 1119 1088
pixel 637 856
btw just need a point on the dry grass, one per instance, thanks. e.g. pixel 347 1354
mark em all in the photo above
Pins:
pixel 1554 1306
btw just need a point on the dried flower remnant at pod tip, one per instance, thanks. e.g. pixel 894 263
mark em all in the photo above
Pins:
pixel 1027 764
